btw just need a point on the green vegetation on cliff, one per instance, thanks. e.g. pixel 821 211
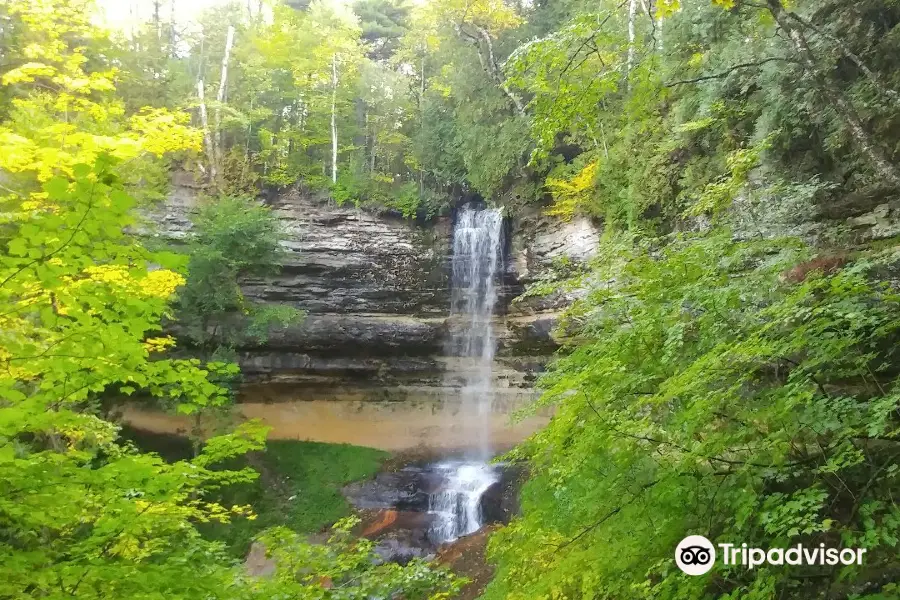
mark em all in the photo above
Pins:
pixel 715 390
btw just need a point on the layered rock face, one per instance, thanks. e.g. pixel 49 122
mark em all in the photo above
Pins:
pixel 376 293
pixel 539 245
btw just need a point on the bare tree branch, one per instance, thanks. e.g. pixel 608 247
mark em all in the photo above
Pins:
pixel 728 71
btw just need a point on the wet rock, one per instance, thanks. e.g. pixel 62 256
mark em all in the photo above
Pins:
pixel 539 242
pixel 542 247
pixel 531 335
pixel 500 502
pixel 881 223
pixel 400 535
pixel 405 490
pixel 466 557
pixel 355 335
pixel 403 546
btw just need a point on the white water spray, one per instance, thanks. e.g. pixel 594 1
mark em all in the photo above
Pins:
pixel 477 239
pixel 457 507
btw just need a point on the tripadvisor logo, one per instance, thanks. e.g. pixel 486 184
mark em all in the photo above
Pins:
pixel 696 555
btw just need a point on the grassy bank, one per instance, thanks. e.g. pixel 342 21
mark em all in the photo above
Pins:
pixel 299 485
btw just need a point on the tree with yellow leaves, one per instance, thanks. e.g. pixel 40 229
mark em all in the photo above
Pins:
pixel 82 513
pixel 63 107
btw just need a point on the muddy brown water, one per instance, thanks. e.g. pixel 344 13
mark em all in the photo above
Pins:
pixel 391 426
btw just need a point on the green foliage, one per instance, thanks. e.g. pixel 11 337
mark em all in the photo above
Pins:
pixel 562 275
pixel 709 386
pixel 467 134
pixel 383 24
pixel 713 390
pixel 677 119
pixel 383 194
pixel 299 487
pixel 347 568
pixel 62 107
pixel 720 195
pixel 406 200
pixel 232 239
pixel 83 514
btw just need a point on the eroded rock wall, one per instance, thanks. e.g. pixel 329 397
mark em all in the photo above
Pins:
pixel 376 292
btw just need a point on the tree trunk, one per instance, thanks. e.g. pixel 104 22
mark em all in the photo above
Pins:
pixel 855 58
pixel 489 62
pixel 220 97
pixel 659 34
pixel 494 70
pixel 871 149
pixel 361 136
pixel 632 12
pixel 334 138
pixel 157 20
pixel 249 134
pixel 422 118
pixel 365 144
pixel 172 34
pixel 207 137
pixel 133 19
pixel 301 113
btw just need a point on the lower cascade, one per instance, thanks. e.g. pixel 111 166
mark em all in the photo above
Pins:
pixel 477 240
pixel 457 505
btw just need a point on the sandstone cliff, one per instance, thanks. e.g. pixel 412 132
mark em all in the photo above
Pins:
pixel 375 289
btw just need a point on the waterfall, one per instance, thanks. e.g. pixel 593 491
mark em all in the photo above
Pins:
pixel 457 506
pixel 476 262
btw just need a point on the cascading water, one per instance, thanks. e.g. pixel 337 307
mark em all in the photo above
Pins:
pixel 477 239
pixel 476 261
pixel 457 506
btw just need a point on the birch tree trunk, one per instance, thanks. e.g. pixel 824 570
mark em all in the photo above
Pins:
pixel 334 138
pixel 494 70
pixel 157 18
pixel 172 33
pixel 220 97
pixel 632 12
pixel 857 60
pixel 207 136
pixel 489 62
pixel 422 118
pixel 659 34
